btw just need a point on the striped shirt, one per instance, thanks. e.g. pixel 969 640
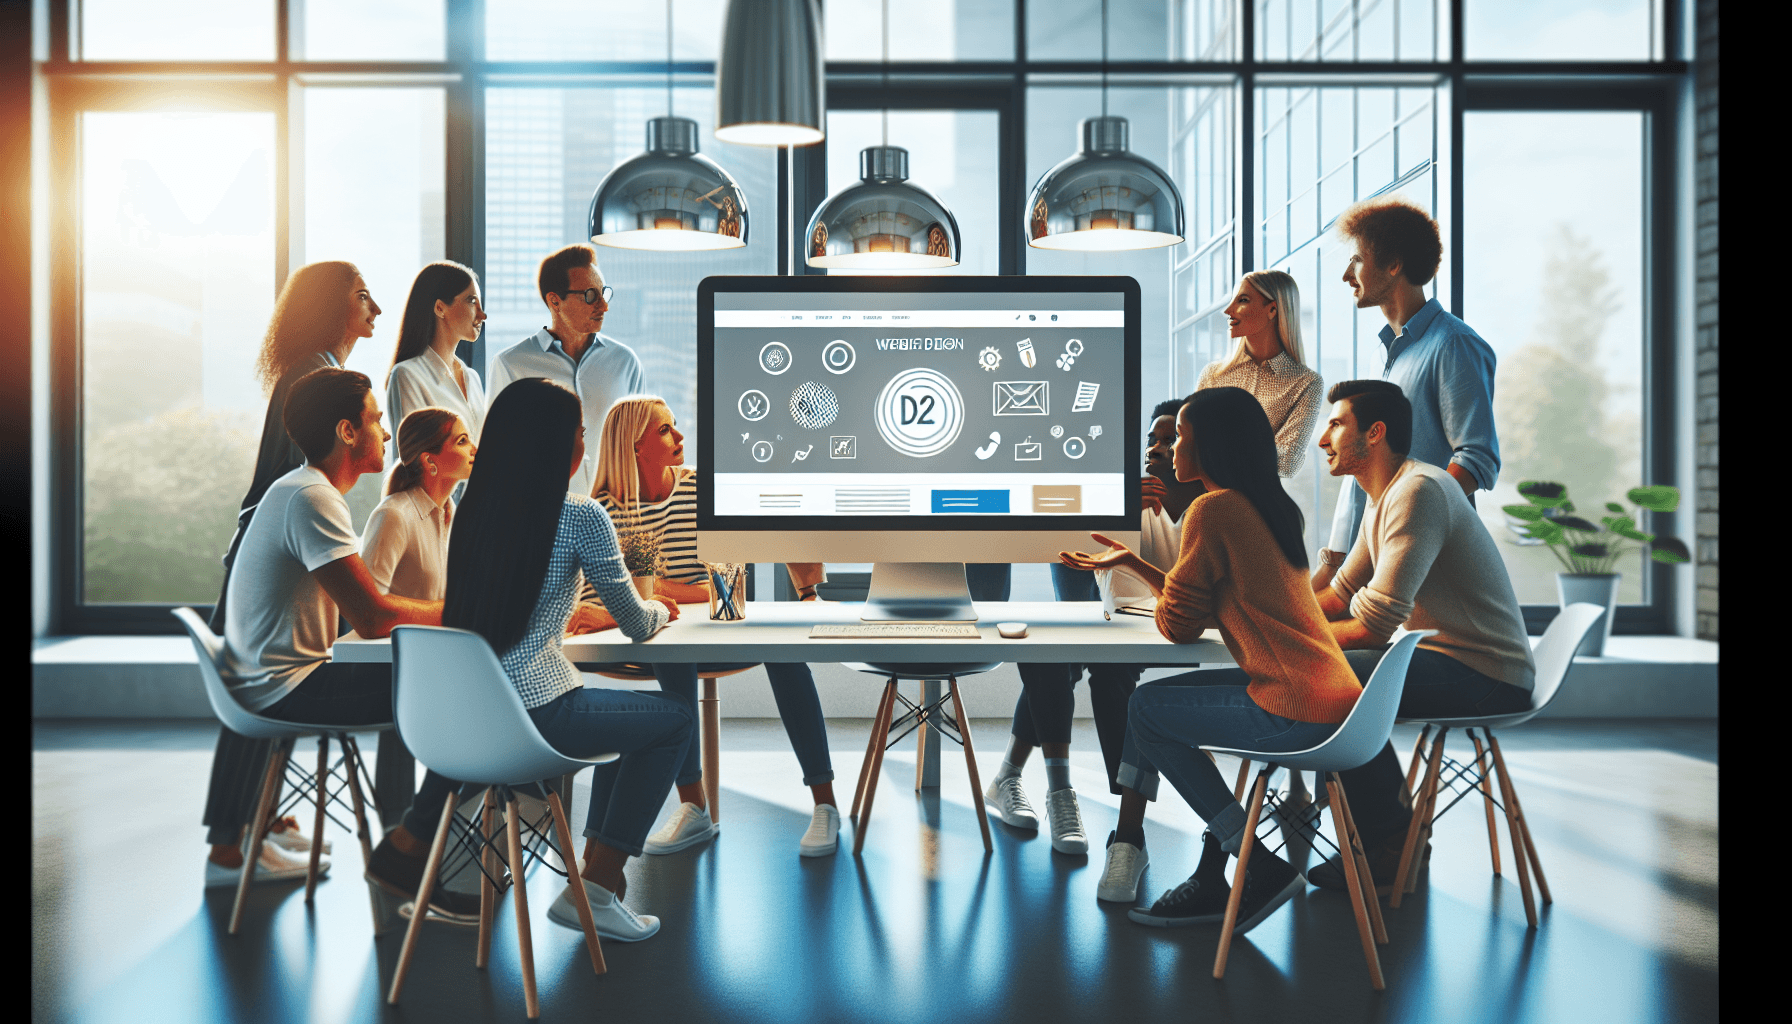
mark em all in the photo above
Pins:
pixel 584 542
pixel 674 521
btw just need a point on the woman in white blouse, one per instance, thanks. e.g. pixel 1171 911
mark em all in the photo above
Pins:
pixel 442 311
pixel 405 544
pixel 1265 318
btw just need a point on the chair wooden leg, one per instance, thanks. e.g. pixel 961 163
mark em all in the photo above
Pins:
pixel 877 721
pixel 488 867
pixel 1341 808
pixel 970 761
pixel 1420 814
pixel 1410 881
pixel 1244 772
pixel 711 706
pixel 577 882
pixel 362 832
pixel 1515 824
pixel 258 829
pixel 921 748
pixel 1413 762
pixel 319 796
pixel 1244 861
pixel 1362 893
pixel 420 909
pixel 519 900
pixel 1484 765
pixel 879 740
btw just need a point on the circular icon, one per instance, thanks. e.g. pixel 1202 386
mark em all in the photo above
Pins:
pixel 774 358
pixel 1074 446
pixel 1057 431
pixel 1073 348
pixel 989 358
pixel 919 412
pixel 762 451
pixel 753 405
pixel 814 406
pixel 838 357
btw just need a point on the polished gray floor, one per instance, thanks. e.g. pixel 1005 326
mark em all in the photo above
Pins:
pixel 923 927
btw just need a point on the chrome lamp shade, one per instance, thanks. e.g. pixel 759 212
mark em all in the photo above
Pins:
pixel 1104 198
pixel 670 197
pixel 770 82
pixel 884 221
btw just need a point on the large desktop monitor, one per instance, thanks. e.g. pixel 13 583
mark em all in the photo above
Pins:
pixel 923 420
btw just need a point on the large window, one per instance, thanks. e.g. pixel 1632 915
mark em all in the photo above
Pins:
pixel 203 150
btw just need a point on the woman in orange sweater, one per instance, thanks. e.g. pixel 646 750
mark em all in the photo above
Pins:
pixel 1243 570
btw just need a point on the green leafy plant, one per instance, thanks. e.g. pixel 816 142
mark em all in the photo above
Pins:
pixel 1586 548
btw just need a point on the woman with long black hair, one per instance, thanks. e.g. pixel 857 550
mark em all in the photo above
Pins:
pixel 442 310
pixel 1242 569
pixel 519 545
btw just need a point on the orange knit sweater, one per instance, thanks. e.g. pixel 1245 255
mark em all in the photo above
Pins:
pixel 1232 574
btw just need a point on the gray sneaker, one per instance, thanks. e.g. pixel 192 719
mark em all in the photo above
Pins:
pixel 1067 822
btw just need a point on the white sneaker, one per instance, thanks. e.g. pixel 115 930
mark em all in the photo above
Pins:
pixel 1067 822
pixel 1010 802
pixel 823 836
pixel 286 835
pixel 610 916
pixel 688 826
pixel 1120 876
pixel 275 865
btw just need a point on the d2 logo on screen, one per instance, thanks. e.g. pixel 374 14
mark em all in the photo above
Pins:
pixel 919 412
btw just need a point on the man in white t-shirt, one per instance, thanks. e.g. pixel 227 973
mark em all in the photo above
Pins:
pixel 299 567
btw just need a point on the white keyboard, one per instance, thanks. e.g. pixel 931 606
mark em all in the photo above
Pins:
pixel 896 630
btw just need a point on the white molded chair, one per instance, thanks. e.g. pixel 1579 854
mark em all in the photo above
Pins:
pixel 1358 739
pixel 461 717
pixel 210 649
pixel 957 729
pixel 1554 656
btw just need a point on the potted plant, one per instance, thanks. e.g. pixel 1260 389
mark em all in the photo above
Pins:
pixel 1590 551
pixel 641 554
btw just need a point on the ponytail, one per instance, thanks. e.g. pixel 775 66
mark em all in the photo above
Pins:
pixel 424 430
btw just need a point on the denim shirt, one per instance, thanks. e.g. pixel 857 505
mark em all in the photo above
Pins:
pixel 1446 371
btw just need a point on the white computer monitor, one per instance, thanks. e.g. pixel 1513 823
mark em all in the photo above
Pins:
pixel 927 421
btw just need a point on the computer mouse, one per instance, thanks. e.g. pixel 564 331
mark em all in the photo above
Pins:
pixel 1012 630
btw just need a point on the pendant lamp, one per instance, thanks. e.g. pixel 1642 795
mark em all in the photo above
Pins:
pixel 883 221
pixel 1105 197
pixel 770 82
pixel 670 198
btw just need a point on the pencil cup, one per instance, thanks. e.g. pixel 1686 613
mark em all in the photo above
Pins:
pixel 727 591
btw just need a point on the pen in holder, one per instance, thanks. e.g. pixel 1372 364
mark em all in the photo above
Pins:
pixel 1104 586
pixel 727 591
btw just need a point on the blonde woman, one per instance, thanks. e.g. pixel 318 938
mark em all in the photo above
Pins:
pixel 1265 318
pixel 405 544
pixel 643 483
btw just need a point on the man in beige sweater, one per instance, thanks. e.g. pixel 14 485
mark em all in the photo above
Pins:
pixel 1422 560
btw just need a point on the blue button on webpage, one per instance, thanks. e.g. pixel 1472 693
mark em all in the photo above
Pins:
pixel 960 502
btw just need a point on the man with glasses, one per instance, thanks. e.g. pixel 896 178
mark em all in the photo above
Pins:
pixel 570 350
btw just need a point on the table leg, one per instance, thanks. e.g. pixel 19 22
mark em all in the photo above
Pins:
pixel 711 706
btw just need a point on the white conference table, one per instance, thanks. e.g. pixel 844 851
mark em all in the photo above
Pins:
pixel 1058 632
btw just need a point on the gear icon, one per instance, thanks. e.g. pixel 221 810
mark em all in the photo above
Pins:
pixel 989 358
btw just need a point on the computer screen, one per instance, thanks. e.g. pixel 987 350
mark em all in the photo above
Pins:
pixel 919 403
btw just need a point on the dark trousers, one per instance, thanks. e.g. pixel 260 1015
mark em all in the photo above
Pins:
pixel 1437 685
pixel 649 730
pixel 335 693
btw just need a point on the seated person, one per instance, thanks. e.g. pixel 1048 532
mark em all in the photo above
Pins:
pixel 643 483
pixel 1422 559
pixel 406 544
pixel 1241 569
pixel 1042 716
pixel 519 545
pixel 298 566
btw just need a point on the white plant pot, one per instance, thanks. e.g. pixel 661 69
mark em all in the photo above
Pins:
pixel 1600 589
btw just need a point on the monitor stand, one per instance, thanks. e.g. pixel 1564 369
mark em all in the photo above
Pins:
pixel 927 591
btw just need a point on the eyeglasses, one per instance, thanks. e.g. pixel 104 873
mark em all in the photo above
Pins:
pixel 591 295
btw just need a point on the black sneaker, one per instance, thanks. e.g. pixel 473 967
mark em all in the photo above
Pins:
pixel 1269 882
pixel 1384 864
pixel 1196 901
pixel 402 875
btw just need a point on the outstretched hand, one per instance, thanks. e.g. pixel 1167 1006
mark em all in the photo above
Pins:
pixel 1117 555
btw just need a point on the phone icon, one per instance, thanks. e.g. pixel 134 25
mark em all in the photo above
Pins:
pixel 995 438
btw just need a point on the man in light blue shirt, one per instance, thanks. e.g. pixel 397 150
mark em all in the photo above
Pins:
pixel 1441 365
pixel 570 351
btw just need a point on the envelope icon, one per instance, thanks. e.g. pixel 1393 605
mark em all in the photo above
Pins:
pixel 1021 398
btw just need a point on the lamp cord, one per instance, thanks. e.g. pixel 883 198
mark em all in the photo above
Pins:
pixel 1104 56
pixel 886 71
pixel 669 58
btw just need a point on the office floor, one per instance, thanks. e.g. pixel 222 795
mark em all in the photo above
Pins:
pixel 923 927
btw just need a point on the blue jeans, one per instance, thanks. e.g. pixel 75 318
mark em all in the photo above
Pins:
pixel 1169 719
pixel 793 687
pixel 649 731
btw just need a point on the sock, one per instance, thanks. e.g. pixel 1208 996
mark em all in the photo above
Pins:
pixel 1011 765
pixel 1134 835
pixel 1213 860
pixel 1057 774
